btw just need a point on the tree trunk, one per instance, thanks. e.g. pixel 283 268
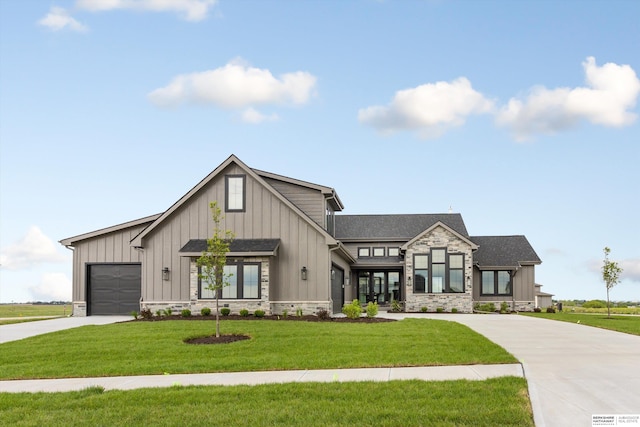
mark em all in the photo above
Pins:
pixel 217 318
pixel 608 305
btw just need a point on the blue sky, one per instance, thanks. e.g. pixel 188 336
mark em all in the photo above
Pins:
pixel 520 115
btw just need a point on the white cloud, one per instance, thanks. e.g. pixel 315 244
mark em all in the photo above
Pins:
pixel 429 109
pixel 630 269
pixel 58 19
pixel 191 10
pixel 52 287
pixel 235 85
pixel 610 92
pixel 34 248
pixel 253 116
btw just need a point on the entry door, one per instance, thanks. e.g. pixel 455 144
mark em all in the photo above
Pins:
pixel 379 286
pixel 337 289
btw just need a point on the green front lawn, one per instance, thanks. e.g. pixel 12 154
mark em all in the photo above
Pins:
pixel 628 324
pixel 494 402
pixel 34 310
pixel 143 348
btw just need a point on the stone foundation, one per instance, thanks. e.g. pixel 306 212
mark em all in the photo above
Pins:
pixel 432 302
pixel 79 309
pixel 308 307
pixel 513 305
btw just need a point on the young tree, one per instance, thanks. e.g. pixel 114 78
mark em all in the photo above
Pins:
pixel 214 258
pixel 611 275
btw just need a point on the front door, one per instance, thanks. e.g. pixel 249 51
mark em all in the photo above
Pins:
pixel 337 288
pixel 379 286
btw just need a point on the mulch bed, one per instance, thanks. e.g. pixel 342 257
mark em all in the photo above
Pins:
pixel 222 339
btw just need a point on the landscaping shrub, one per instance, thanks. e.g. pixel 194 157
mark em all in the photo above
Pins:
pixel 134 314
pixel 439 310
pixel 146 313
pixel 299 312
pixel 244 312
pixel 490 307
pixel 225 311
pixel 258 313
pixel 537 310
pixel 285 313
pixel 353 310
pixel 206 311
pixel 185 313
pixel 168 311
pixel 551 309
pixel 372 309
pixel 504 307
pixel 454 310
pixel 424 309
pixel 323 314
pixel 396 307
pixel 159 312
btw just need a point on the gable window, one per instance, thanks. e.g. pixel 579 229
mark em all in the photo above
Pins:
pixel 378 251
pixel 439 273
pixel 364 252
pixel 235 186
pixel 496 283
pixel 243 279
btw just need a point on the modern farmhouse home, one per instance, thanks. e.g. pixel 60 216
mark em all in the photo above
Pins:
pixel 292 250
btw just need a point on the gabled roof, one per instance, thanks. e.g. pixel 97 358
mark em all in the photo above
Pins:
pixel 394 227
pixel 137 241
pixel 237 247
pixel 503 251
pixel 434 226
pixel 328 192
pixel 136 222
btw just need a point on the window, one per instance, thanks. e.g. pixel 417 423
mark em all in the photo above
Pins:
pixel 440 273
pixel 393 251
pixel 378 251
pixel 235 192
pixel 243 279
pixel 331 221
pixel 363 252
pixel 496 283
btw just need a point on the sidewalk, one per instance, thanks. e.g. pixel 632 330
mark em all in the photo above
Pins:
pixel 428 373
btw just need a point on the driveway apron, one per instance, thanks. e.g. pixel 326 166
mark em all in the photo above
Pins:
pixel 573 371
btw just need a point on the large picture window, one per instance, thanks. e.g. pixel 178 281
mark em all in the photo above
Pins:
pixel 438 273
pixel 496 283
pixel 235 193
pixel 243 279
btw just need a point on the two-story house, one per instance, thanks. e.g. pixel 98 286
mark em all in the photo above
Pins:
pixel 292 250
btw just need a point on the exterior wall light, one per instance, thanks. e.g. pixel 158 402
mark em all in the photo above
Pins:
pixel 165 273
pixel 303 273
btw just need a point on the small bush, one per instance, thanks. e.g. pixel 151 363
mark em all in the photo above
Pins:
pixel 134 314
pixel 504 307
pixel 537 310
pixel 168 311
pixel 372 309
pixel 396 307
pixel 244 312
pixel 454 310
pixel 225 311
pixel 206 311
pixel 490 307
pixel 323 314
pixel 285 313
pixel 353 310
pixel 439 310
pixel 424 309
pixel 185 313
pixel 146 314
pixel 299 312
pixel 258 313
pixel 551 309
pixel 159 312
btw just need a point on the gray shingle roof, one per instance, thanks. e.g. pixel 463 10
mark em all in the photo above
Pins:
pixel 400 227
pixel 237 245
pixel 503 251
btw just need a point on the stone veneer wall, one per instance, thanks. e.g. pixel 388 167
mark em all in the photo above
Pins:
pixel 308 307
pixel 79 309
pixel 513 305
pixel 439 237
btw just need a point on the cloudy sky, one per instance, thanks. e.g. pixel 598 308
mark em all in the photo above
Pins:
pixel 520 115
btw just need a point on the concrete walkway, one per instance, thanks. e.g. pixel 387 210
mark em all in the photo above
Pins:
pixel 18 331
pixel 573 371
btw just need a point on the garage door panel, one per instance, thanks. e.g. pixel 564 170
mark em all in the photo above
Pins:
pixel 114 288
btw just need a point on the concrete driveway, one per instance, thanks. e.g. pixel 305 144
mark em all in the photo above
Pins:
pixel 574 371
pixel 18 331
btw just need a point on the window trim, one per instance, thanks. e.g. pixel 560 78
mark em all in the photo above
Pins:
pixel 362 248
pixel 239 264
pixel 227 194
pixel 446 286
pixel 373 253
pixel 495 292
pixel 395 249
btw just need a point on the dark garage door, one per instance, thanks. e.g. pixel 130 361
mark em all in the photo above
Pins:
pixel 114 288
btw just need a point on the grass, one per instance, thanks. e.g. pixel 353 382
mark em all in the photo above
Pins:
pixel 144 348
pixel 614 310
pixel 499 401
pixel 627 324
pixel 33 310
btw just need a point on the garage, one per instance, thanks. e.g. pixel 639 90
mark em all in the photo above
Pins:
pixel 113 288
